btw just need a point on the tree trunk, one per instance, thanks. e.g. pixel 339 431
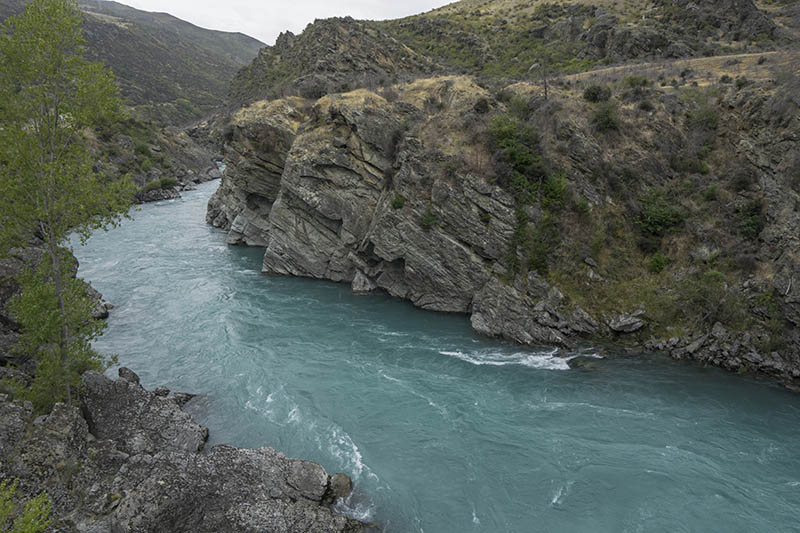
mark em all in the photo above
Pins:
pixel 64 333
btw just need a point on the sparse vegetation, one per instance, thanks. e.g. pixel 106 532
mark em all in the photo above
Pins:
pixel 428 219
pixel 398 201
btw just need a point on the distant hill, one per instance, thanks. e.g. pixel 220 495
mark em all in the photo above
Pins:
pixel 506 38
pixel 170 70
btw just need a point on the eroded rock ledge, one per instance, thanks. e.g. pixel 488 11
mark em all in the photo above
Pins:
pixel 132 460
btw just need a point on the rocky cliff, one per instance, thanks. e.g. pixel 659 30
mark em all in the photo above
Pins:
pixel 663 217
pixel 132 461
pixel 330 55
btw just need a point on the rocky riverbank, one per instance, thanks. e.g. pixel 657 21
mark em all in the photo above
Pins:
pixel 132 460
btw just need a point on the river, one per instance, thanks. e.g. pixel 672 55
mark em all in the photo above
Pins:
pixel 442 430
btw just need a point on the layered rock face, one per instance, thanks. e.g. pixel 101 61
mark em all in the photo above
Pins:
pixel 130 461
pixel 359 199
pixel 397 191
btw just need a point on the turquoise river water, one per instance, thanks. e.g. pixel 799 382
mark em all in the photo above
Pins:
pixel 441 430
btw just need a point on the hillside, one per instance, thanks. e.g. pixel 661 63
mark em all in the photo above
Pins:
pixel 649 197
pixel 170 70
pixel 510 39
pixel 507 37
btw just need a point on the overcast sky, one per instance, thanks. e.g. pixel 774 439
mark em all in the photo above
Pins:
pixel 265 19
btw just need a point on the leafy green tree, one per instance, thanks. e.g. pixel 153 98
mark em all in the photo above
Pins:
pixel 50 97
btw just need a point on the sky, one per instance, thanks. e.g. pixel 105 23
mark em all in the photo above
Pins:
pixel 265 19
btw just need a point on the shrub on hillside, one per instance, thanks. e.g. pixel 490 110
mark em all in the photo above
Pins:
pixel 481 106
pixel 632 82
pixel 596 93
pixel 168 183
pixel 704 116
pixel 428 219
pixel 659 213
pixel 751 219
pixel 142 149
pixel 398 201
pixel 606 118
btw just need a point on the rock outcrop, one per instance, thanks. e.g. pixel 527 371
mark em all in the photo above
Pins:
pixel 330 55
pixel 398 190
pixel 130 461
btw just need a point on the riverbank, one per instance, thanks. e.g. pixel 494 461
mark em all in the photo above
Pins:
pixel 132 460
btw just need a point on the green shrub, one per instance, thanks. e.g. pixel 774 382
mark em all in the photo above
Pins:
pixel 452 166
pixel 606 118
pixel 659 213
pixel 751 219
pixel 692 165
pixel 711 193
pixel 582 206
pixel 35 515
pixel 518 165
pixel 596 93
pixel 146 165
pixel 555 191
pixel 152 185
pixel 504 95
pixel 646 106
pixel 511 134
pixel 704 116
pixel 428 219
pixel 706 299
pixel 481 106
pixel 633 82
pixel 539 243
pixel 743 179
pixel 168 183
pixel 485 217
pixel 398 201
pixel 519 107
pixel 657 263
pixel 142 149
pixel 741 83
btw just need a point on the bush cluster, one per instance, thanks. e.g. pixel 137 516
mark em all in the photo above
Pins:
pixel 164 183
pixel 398 201
pixel 596 93
pixel 606 118
pixel 518 164
pixel 659 213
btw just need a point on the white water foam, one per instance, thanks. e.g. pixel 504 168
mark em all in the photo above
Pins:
pixel 543 360
pixel 475 519
pixel 359 509
pixel 344 449
pixel 561 493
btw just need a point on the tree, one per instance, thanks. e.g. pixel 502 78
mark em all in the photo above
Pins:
pixel 50 98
